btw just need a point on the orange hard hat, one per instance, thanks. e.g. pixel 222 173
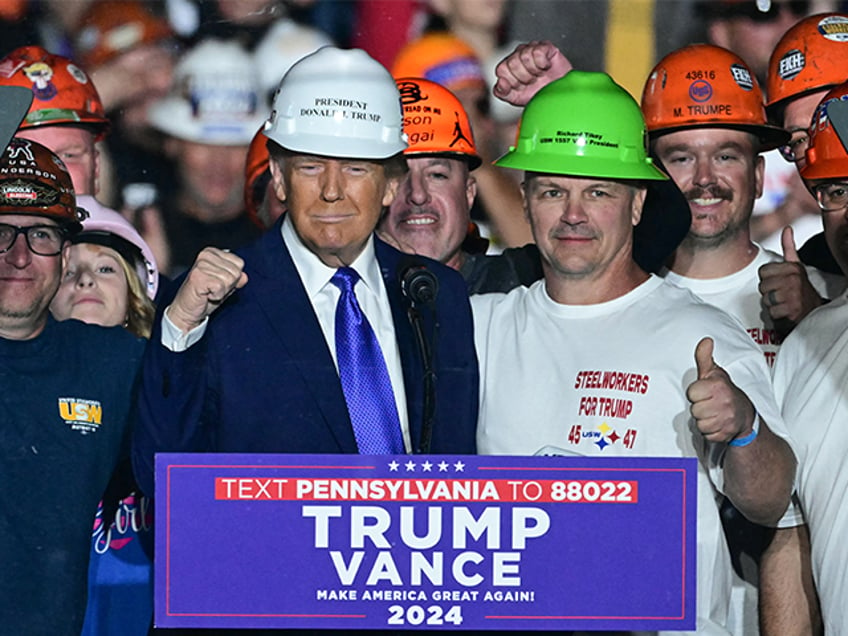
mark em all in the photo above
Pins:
pixel 811 56
pixel 256 175
pixel 62 92
pixel 827 157
pixel 706 86
pixel 34 181
pixel 112 27
pixel 442 58
pixel 434 121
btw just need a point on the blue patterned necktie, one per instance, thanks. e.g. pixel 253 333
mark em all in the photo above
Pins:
pixel 365 379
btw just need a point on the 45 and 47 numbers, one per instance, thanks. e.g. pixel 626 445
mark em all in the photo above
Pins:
pixel 417 615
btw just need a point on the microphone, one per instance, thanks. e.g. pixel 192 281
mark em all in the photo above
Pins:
pixel 419 284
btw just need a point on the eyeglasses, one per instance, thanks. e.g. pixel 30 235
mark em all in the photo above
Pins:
pixel 44 240
pixel 832 197
pixel 797 146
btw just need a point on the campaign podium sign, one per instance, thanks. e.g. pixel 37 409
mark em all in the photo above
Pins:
pixel 425 542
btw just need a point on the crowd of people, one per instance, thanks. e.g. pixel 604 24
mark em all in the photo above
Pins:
pixel 213 221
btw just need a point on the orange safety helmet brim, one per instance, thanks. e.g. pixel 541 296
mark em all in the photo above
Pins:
pixel 827 157
pixel 34 181
pixel 435 122
pixel 811 56
pixel 706 86
pixel 256 166
pixel 62 92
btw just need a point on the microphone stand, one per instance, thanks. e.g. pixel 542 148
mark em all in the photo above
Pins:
pixel 420 286
pixel 429 406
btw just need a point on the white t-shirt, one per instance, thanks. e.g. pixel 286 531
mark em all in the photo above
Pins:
pixel 611 379
pixel 810 380
pixel 739 295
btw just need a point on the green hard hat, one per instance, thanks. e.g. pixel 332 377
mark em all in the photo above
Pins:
pixel 584 125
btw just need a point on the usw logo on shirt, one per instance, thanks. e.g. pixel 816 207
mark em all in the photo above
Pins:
pixel 81 415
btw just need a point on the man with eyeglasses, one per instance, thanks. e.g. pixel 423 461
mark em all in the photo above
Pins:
pixel 810 59
pixel 810 376
pixel 66 399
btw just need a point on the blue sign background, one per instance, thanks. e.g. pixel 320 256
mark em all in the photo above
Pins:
pixel 231 562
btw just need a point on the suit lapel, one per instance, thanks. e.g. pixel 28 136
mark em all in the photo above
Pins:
pixel 286 305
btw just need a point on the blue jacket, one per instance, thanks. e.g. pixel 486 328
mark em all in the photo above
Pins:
pixel 262 378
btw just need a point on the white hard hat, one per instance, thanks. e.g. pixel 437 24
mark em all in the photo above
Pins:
pixel 103 225
pixel 284 44
pixel 215 99
pixel 338 103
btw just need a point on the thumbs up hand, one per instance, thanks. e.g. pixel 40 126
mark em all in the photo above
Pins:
pixel 787 242
pixel 785 289
pixel 721 410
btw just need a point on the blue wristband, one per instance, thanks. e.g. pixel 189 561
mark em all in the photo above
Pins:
pixel 739 442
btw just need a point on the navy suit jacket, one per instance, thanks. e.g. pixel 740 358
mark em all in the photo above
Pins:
pixel 262 378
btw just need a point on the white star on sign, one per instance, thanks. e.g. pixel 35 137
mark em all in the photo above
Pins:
pixel 393 466
pixel 410 466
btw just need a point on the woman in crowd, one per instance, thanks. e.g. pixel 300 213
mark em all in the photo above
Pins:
pixel 111 276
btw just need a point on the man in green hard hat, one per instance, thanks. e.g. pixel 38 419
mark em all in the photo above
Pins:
pixel 690 381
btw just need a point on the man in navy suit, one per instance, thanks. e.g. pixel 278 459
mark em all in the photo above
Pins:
pixel 244 357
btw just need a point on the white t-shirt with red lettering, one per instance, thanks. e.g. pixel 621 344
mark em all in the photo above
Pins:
pixel 739 295
pixel 810 380
pixel 610 379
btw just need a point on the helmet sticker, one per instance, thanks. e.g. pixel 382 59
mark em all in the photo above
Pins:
pixel 339 108
pixel 700 91
pixel 458 135
pixel 27 193
pixel 742 77
pixel 77 73
pixel 221 97
pixel 580 139
pixel 10 66
pixel 41 75
pixel 20 147
pixel 834 28
pixel 410 93
pixel 792 63
pixel 20 159
pixel 821 117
